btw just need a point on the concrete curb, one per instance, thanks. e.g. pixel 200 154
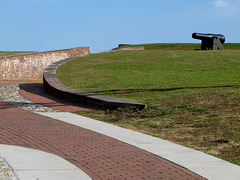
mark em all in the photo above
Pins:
pixel 56 88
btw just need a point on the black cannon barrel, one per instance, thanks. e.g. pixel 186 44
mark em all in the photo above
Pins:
pixel 202 36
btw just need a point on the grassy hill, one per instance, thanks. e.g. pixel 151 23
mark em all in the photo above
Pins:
pixel 193 97
pixel 8 53
pixel 180 46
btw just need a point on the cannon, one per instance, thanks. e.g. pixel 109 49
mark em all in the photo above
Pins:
pixel 210 41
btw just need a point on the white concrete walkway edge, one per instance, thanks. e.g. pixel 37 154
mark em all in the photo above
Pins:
pixel 203 164
pixel 29 164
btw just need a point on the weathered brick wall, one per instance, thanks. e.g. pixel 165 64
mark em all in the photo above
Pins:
pixel 31 66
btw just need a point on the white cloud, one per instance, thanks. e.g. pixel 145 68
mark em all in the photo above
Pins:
pixel 221 3
pixel 224 9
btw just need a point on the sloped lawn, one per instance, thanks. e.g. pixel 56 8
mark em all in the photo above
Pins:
pixel 193 97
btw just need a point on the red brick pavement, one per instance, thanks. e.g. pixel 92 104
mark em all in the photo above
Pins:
pixel 99 156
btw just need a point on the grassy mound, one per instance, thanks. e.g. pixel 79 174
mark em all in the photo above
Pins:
pixel 181 46
pixel 8 53
pixel 193 97
pixel 150 70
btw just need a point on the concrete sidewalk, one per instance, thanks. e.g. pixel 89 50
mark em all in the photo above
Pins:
pixel 100 150
pixel 30 164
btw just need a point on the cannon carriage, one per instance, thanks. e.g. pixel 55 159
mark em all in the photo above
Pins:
pixel 210 41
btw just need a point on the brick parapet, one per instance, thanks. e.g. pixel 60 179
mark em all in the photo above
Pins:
pixel 31 66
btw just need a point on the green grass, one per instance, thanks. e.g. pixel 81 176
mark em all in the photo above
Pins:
pixel 151 71
pixel 232 46
pixel 193 97
pixel 8 53
pixel 181 46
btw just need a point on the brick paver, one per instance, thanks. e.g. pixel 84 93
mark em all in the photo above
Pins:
pixel 100 156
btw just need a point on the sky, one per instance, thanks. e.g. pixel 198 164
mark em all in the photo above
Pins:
pixel 43 25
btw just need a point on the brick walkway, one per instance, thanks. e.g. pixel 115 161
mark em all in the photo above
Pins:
pixel 99 156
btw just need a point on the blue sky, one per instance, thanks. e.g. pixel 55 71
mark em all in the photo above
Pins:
pixel 42 25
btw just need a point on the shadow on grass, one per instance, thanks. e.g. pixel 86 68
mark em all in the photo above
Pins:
pixel 128 91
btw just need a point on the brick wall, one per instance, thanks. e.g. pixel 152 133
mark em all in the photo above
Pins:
pixel 31 66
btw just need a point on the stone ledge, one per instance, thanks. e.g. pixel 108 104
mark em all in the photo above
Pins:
pixel 55 87
pixel 132 48
pixel 135 48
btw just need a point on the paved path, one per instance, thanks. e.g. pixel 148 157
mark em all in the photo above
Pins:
pixel 29 164
pixel 98 155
